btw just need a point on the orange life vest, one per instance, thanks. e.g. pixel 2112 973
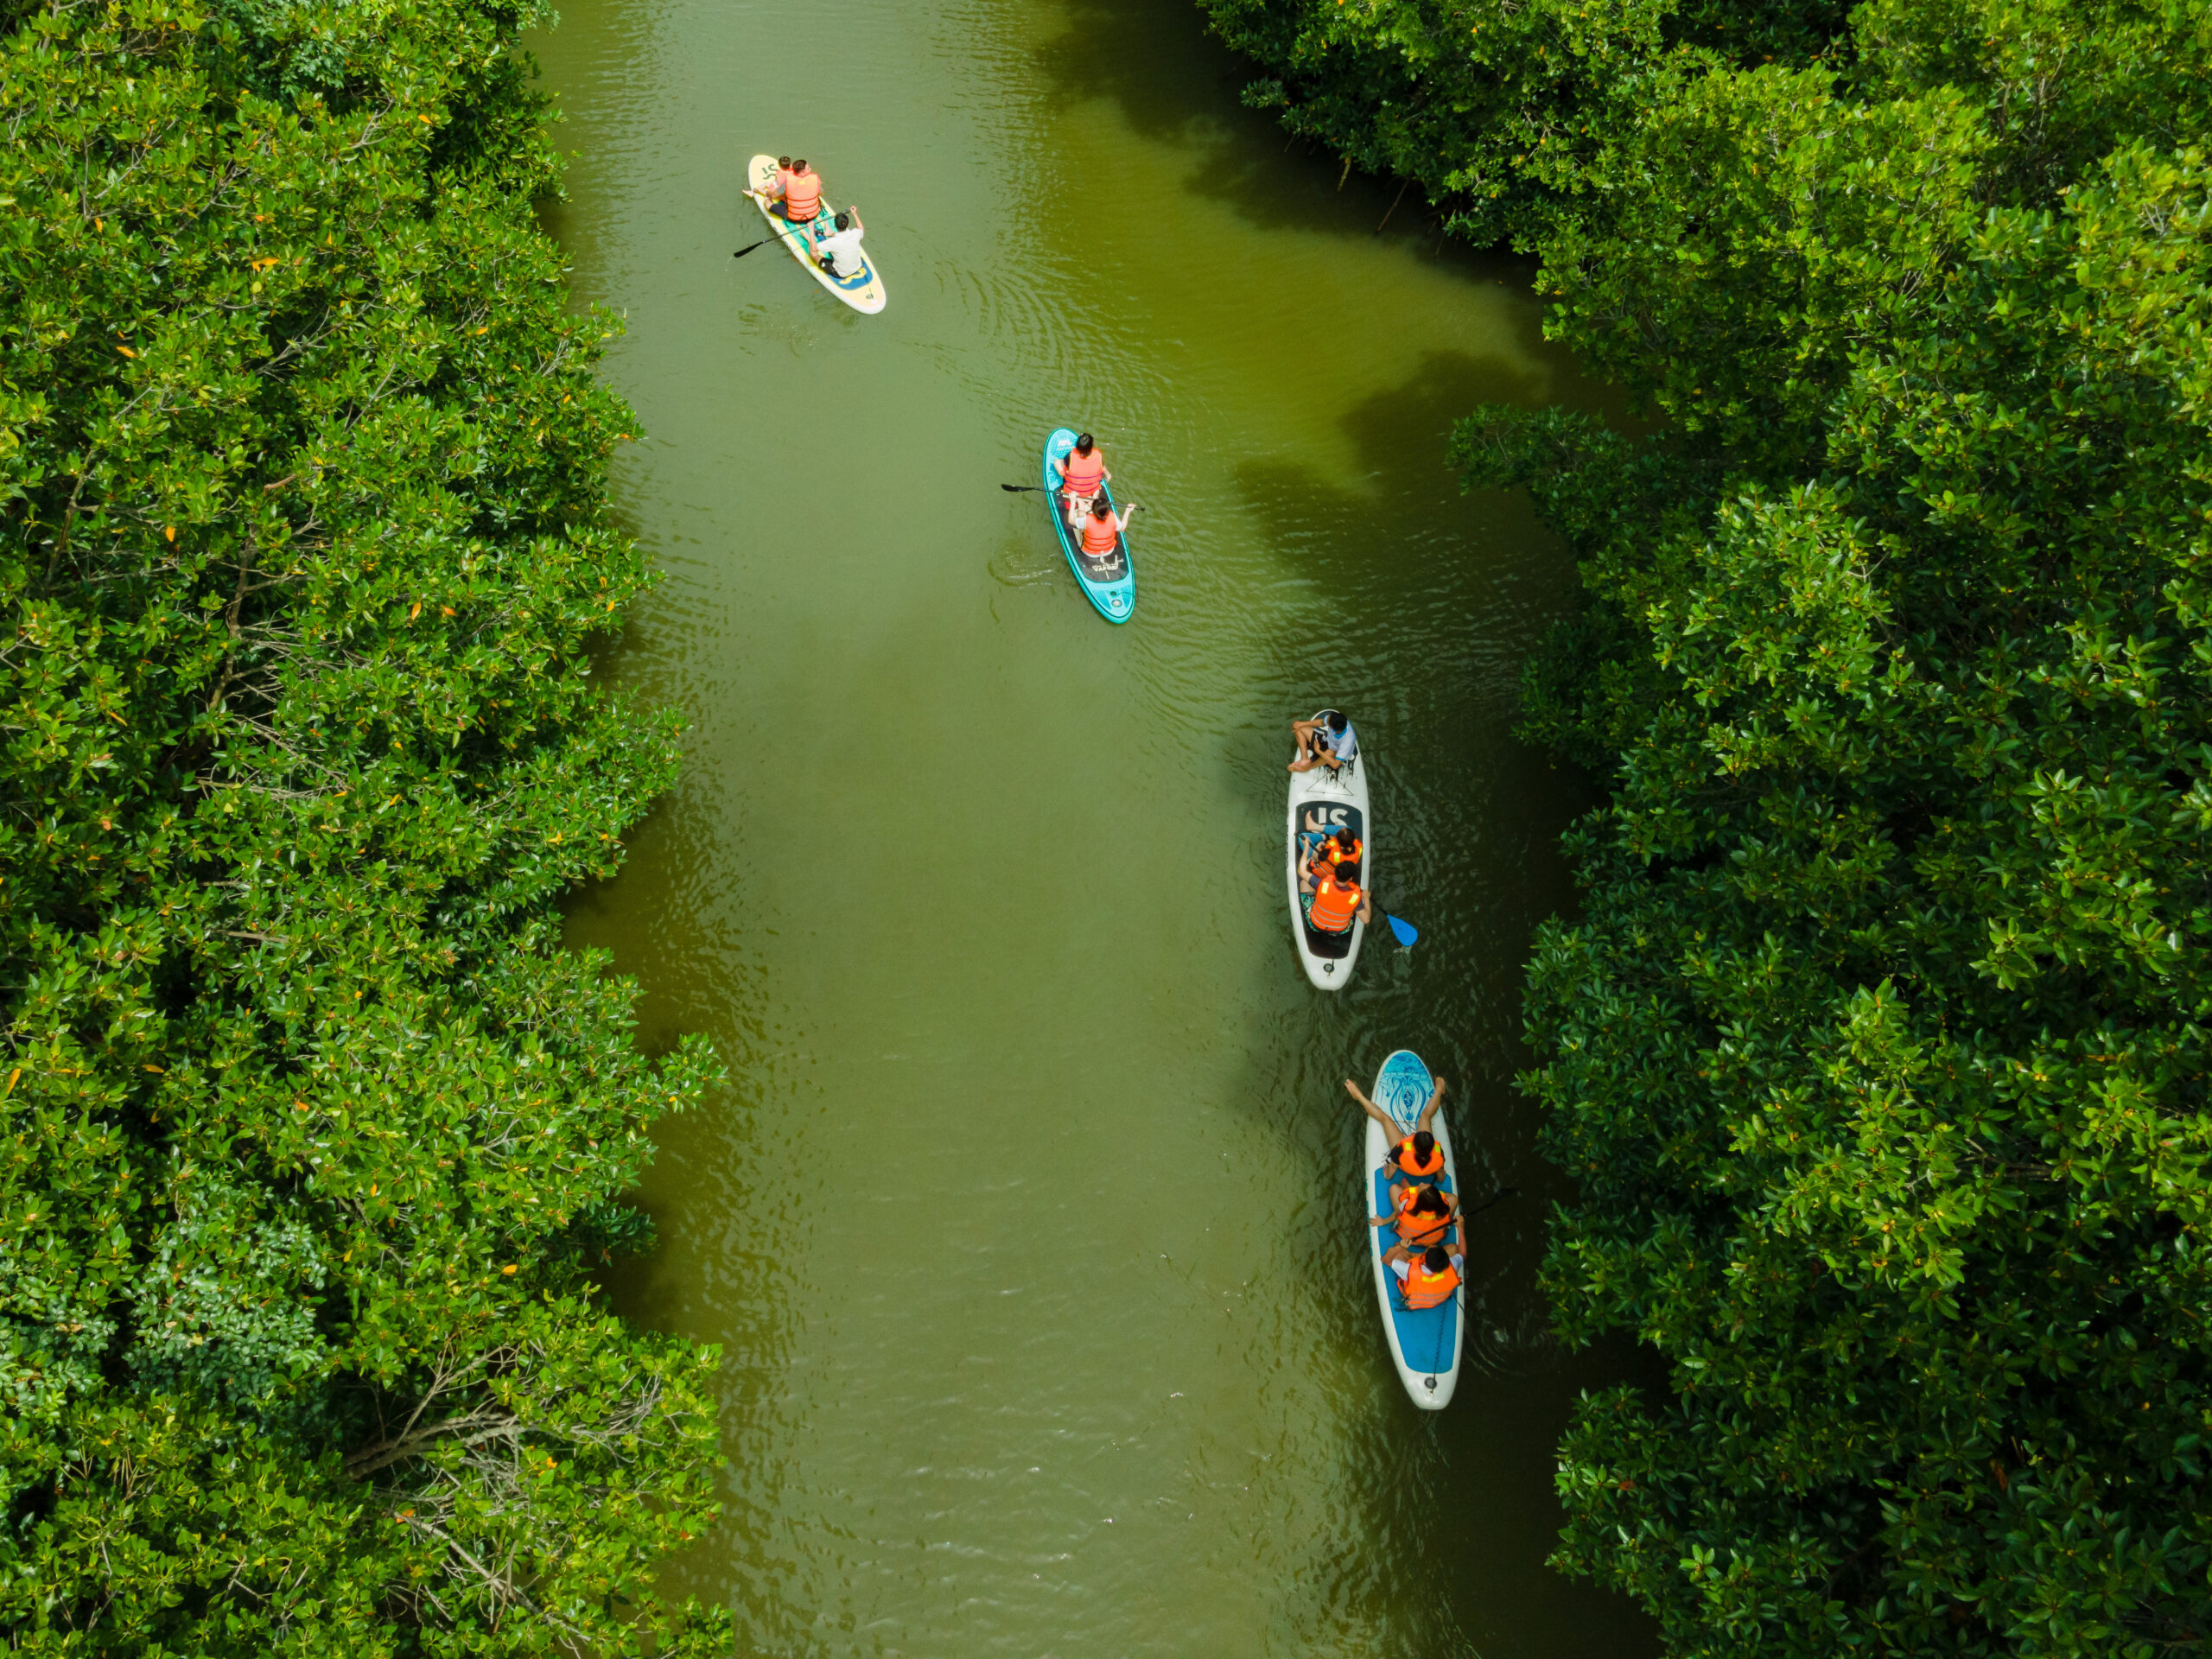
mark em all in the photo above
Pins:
pixel 1423 1227
pixel 1085 472
pixel 1426 1289
pixel 1333 907
pixel 802 196
pixel 1402 1156
pixel 1099 536
pixel 1325 857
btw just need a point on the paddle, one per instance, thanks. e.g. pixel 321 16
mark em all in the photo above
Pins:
pixel 1405 932
pixel 762 243
pixel 1025 489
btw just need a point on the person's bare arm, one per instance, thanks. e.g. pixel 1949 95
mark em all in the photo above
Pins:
pixel 1429 1112
pixel 1366 906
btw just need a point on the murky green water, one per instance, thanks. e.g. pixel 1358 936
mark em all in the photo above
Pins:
pixel 1031 1224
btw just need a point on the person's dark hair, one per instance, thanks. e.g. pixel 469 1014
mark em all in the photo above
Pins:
pixel 1102 508
pixel 844 221
pixel 1429 1201
pixel 1348 874
pixel 1082 444
pixel 1436 1258
pixel 1336 722
pixel 799 167
pixel 783 160
pixel 1424 1143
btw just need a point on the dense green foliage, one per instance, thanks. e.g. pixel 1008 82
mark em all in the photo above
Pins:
pixel 1881 1049
pixel 314 1135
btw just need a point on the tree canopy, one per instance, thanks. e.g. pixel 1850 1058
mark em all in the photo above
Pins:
pixel 1879 1046
pixel 314 1137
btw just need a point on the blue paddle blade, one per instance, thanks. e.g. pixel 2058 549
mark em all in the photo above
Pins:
pixel 1407 933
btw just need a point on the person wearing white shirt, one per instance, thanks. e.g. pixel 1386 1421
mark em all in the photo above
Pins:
pixel 1324 743
pixel 840 251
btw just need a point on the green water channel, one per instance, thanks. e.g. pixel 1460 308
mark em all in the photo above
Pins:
pixel 1031 1224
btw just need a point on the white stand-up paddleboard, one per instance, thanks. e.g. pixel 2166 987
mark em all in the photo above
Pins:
pixel 1426 1342
pixel 1322 801
pixel 863 292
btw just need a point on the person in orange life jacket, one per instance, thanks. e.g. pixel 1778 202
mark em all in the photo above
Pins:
pixel 1102 531
pixel 1082 474
pixel 1416 1154
pixel 1328 742
pixel 1428 1278
pixel 1334 901
pixel 1422 1213
pixel 838 250
pixel 1339 848
pixel 795 193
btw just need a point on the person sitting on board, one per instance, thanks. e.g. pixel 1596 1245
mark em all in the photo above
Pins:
pixel 1102 531
pixel 839 250
pixel 1333 902
pixel 1082 474
pixel 1325 742
pixel 1416 1154
pixel 1341 847
pixel 1422 1212
pixel 795 193
pixel 1426 1278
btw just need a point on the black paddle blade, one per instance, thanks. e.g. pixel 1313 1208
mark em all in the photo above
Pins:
pixel 1022 489
pixel 762 243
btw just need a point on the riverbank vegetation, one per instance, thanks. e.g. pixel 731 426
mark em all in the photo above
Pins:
pixel 314 1138
pixel 1879 1050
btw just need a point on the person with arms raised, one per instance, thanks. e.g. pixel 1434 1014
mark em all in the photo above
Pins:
pixel 1102 531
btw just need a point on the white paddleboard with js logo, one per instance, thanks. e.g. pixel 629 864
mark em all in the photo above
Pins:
pixel 1322 801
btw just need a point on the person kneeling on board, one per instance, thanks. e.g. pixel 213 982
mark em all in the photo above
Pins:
pixel 1082 474
pixel 1324 743
pixel 1334 901
pixel 1428 1278
pixel 838 251
pixel 1102 531
pixel 796 194
pixel 1416 1154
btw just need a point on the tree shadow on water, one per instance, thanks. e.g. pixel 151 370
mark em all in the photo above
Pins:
pixel 1175 84
pixel 1403 485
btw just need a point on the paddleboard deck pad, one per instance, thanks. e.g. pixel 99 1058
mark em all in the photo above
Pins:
pixel 863 291
pixel 1425 1342
pixel 1322 801
pixel 1110 583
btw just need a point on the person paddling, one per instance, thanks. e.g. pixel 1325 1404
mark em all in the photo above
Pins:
pixel 839 250
pixel 1333 902
pixel 1422 1213
pixel 1102 531
pixel 1082 474
pixel 795 193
